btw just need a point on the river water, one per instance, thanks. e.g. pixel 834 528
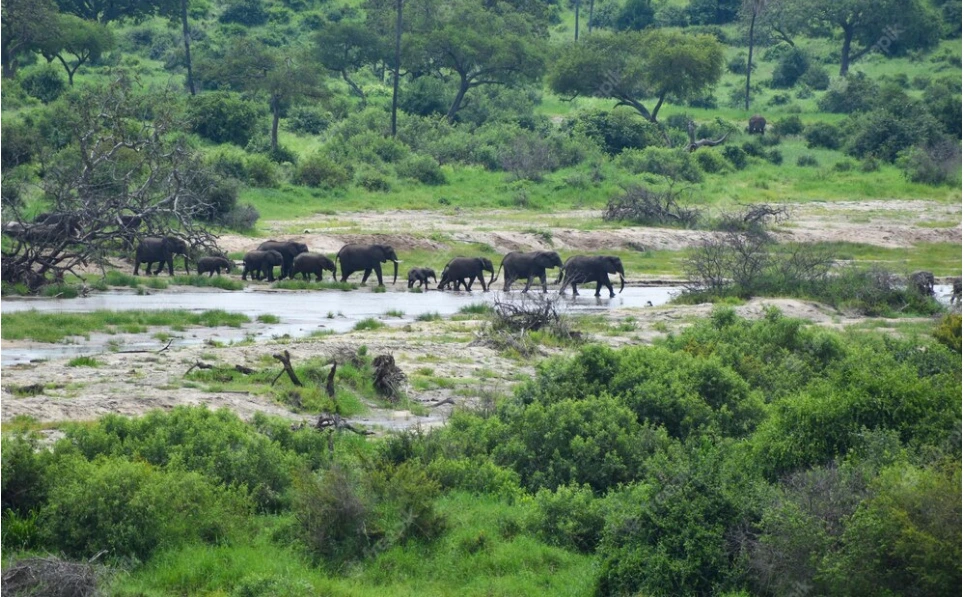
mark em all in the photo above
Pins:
pixel 300 313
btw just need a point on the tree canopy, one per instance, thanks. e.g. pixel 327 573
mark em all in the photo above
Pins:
pixel 631 67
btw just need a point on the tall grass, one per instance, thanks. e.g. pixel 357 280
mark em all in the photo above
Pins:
pixel 53 327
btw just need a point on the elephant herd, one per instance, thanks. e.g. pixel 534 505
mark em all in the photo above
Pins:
pixel 294 258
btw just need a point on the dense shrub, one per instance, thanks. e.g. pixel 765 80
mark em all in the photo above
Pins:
pixel 242 218
pixel 528 158
pixel 310 120
pixel 570 517
pixel 425 96
pixel 24 477
pixel 943 98
pixel 228 162
pixel 816 77
pixel 19 143
pixel 822 134
pixel 261 171
pixel 218 195
pixel 673 163
pixel 736 156
pixel 617 130
pixel 635 15
pixel 936 164
pixel 711 161
pixel 371 179
pixel 422 168
pixel 131 508
pixel 884 134
pixel 854 93
pixel 319 170
pixel 807 161
pixel 949 331
pixel 44 82
pixel 790 68
pixel 223 117
pixel 245 12
pixel 791 125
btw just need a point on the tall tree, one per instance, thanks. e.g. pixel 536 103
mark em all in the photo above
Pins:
pixel 480 46
pixel 75 43
pixel 344 48
pixel 24 25
pixel 186 34
pixel 890 26
pixel 282 75
pixel 752 8
pixel 632 66
pixel 396 66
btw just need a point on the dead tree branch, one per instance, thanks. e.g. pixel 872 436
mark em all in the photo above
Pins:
pixel 285 359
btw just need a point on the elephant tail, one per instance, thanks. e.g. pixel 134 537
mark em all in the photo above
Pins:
pixel 496 275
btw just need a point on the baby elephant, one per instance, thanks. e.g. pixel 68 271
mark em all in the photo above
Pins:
pixel 421 275
pixel 261 264
pixel 312 263
pixel 210 265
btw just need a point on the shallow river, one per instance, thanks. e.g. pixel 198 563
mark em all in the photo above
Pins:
pixel 300 313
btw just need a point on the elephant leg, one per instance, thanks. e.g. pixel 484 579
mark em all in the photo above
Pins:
pixel 378 273
pixel 599 285
pixel 609 286
pixel 529 282
pixel 345 274
pixel 482 280
pixel 366 274
pixel 575 291
pixel 137 265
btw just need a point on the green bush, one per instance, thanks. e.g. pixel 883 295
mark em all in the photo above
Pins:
pixel 261 171
pixel 319 171
pixel 250 13
pixel 372 180
pixel 736 156
pixel 711 161
pixel 422 168
pixel 822 134
pixel 617 130
pixel 816 77
pixel 24 480
pixel 807 161
pixel 19 144
pixel 425 96
pixel 854 93
pixel 884 134
pixel 228 162
pixel 934 165
pixel 943 98
pixel 310 120
pixel 791 67
pixel 949 331
pixel 44 82
pixel 131 508
pixel 674 163
pixel 223 117
pixel 570 517
pixel 790 125
pixel 774 156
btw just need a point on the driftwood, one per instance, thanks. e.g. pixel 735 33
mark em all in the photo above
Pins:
pixel 388 377
pixel 198 365
pixel 330 383
pixel 335 421
pixel 285 359
pixel 51 576
pixel 442 402
pixel 244 370
pixel 166 346
pixel 696 144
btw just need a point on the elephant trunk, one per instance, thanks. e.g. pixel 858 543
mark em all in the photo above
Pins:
pixel 395 270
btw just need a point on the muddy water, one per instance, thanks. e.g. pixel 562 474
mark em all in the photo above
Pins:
pixel 301 313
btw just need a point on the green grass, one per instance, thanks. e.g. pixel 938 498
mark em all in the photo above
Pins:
pixel 54 327
pixel 394 313
pixel 222 282
pixel 268 318
pixel 369 323
pixel 309 285
pixel 942 259
pixel 476 309
pixel 433 316
pixel 84 362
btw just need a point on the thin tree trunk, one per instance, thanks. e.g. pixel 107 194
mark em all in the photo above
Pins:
pixel 576 28
pixel 355 88
pixel 750 60
pixel 187 44
pixel 275 117
pixel 398 63
pixel 457 103
pixel 589 21
pixel 846 50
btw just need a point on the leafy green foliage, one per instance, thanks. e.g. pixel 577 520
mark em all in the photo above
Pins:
pixel 42 82
pixel 223 117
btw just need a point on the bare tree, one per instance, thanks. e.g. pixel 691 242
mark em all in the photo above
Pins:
pixel 126 167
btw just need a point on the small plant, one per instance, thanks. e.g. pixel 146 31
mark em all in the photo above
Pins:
pixel 433 316
pixel 268 318
pixel 394 313
pixel 807 161
pixel 369 323
pixel 476 309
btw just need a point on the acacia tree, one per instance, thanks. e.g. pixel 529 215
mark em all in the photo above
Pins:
pixel 24 25
pixel 75 38
pixel 105 11
pixel 125 159
pixel 891 26
pixel 283 76
pixel 346 47
pixel 633 66
pixel 480 46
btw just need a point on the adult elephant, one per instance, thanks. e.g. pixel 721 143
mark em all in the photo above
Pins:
pixel 421 275
pixel 261 264
pixel 312 263
pixel 367 258
pixel 527 265
pixel 288 251
pixel 923 282
pixel 583 269
pixel 464 270
pixel 756 125
pixel 160 250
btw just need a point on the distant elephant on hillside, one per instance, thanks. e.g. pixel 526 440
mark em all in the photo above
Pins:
pixel 261 264
pixel 210 265
pixel 421 275
pixel 312 263
pixel 527 265
pixel 367 258
pixel 956 290
pixel 756 125
pixel 288 251
pixel 464 270
pixel 160 250
pixel 581 269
